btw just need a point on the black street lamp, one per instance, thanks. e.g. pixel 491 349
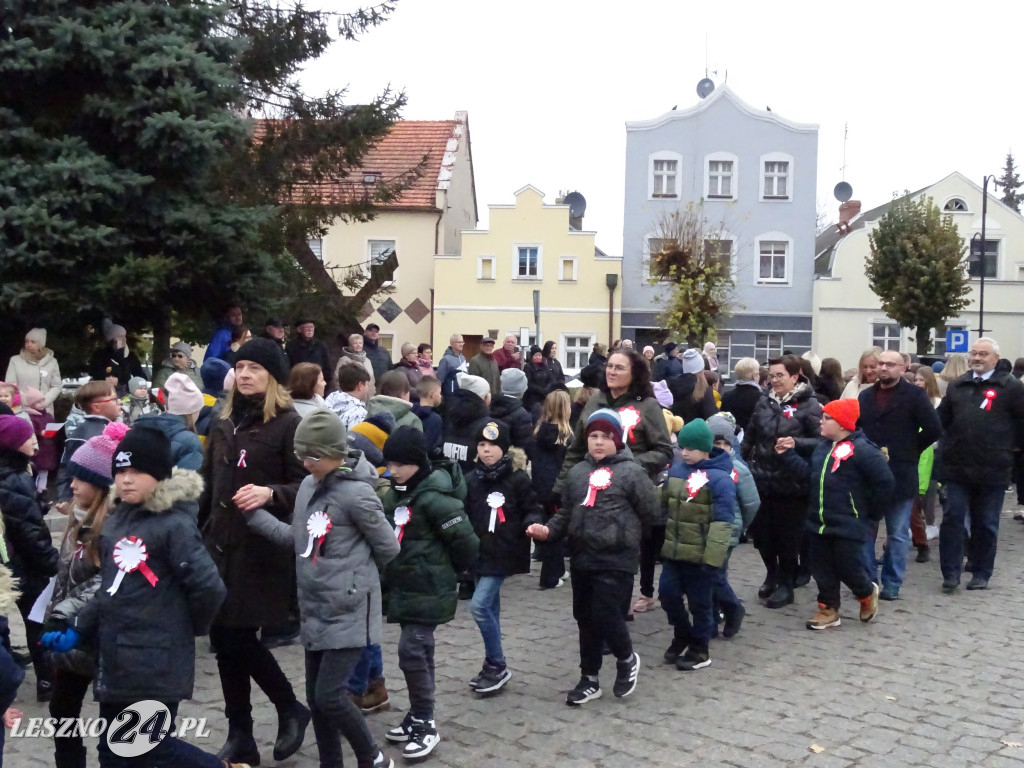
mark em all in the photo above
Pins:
pixel 982 253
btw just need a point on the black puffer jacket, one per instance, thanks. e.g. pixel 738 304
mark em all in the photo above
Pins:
pixel 798 417
pixel 506 551
pixel 147 632
pixel 29 546
pixel 741 401
pixel 546 459
pixel 540 379
pixel 606 537
pixel 978 443
pixel 513 412
pixel 683 404
pixel 463 410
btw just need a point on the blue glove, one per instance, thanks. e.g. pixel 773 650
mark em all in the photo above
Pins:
pixel 60 642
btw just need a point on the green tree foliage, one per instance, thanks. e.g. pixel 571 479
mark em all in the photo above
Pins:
pixel 1011 183
pixel 916 267
pixel 690 263
pixel 133 184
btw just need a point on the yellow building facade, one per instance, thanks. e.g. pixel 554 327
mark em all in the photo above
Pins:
pixel 488 287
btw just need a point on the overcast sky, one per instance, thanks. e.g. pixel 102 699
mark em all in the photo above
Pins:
pixel 925 87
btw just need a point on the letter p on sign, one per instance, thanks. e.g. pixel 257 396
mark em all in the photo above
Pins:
pixel 956 341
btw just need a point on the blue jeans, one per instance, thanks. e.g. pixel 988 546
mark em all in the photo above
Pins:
pixel 985 503
pixel 695 582
pixel 486 608
pixel 170 751
pixel 369 667
pixel 724 596
pixel 894 553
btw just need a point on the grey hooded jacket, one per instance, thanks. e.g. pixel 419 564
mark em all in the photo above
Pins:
pixel 339 581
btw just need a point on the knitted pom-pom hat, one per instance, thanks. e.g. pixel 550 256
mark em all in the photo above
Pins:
pixel 91 462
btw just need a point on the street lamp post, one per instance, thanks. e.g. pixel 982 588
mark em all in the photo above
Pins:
pixel 611 280
pixel 982 253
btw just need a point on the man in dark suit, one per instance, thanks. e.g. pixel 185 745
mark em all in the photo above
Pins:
pixel 896 415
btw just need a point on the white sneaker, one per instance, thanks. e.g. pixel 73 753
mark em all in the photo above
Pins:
pixel 423 738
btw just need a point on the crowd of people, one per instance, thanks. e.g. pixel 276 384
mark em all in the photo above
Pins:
pixel 277 492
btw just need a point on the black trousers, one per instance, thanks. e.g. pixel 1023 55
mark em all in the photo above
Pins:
pixel 334 713
pixel 416 660
pixel 600 601
pixel 650 548
pixel 31 587
pixel 777 531
pixel 69 690
pixel 835 561
pixel 241 658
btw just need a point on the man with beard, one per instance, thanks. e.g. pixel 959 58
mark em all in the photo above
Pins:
pixel 898 416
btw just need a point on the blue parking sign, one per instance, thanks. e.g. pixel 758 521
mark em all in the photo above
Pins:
pixel 956 341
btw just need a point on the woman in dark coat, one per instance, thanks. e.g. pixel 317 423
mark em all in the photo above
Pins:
pixel 250 463
pixel 743 398
pixel 540 380
pixel 551 361
pixel 778 528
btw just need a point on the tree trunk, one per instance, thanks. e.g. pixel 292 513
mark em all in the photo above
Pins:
pixel 923 341
pixel 161 335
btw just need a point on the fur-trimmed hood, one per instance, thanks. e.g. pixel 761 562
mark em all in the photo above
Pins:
pixel 183 485
pixel 518 456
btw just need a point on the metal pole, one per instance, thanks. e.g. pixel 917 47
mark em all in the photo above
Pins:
pixel 984 260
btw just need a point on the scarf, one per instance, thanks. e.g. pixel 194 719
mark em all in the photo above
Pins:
pixel 496 471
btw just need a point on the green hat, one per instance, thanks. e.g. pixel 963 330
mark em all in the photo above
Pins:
pixel 322 434
pixel 696 435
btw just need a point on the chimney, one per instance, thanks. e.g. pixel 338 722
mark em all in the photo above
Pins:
pixel 847 212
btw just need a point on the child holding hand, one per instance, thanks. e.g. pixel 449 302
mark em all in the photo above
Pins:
pixel 607 504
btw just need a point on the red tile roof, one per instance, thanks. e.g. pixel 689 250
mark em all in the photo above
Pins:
pixel 401 150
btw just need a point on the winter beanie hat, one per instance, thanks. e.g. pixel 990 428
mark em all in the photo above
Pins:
pixel 265 352
pixel 669 347
pixel 723 427
pixel 492 431
pixel 321 433
pixel 92 462
pixel 14 431
pixel 692 361
pixel 136 382
pixel 183 396
pixel 33 398
pixel 38 335
pixel 475 384
pixel 662 393
pixel 111 330
pixel 212 371
pixel 184 347
pixel 145 450
pixel 695 434
pixel 844 412
pixel 673 423
pixel 406 445
pixel 513 382
pixel 606 420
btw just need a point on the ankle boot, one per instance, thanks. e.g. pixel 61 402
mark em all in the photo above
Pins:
pixel 291 730
pixel 923 554
pixel 240 746
pixel 375 699
pixel 783 595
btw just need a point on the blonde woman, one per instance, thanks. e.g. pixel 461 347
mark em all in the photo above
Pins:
pixel 552 436
pixel 250 463
pixel 956 366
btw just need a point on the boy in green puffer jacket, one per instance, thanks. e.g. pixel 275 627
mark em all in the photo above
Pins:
pixel 437 542
pixel 700 495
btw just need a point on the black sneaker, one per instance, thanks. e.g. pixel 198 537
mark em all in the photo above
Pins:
pixel 401 732
pixel 675 650
pixel 422 738
pixel 977 582
pixel 492 678
pixel 625 676
pixel 585 690
pixel 949 585
pixel 733 622
pixel 693 659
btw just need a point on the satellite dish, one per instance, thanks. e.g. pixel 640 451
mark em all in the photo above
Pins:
pixel 705 87
pixel 843 191
pixel 577 204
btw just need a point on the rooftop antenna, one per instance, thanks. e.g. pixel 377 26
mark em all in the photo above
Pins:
pixel 846 133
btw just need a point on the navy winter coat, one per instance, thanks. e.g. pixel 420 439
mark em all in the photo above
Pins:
pixel 29 546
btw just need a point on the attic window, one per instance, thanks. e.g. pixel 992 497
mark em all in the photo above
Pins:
pixel 371 177
pixel 956 205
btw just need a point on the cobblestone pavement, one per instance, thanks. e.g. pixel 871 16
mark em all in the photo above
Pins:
pixel 936 680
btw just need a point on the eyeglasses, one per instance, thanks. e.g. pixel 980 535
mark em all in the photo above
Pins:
pixel 104 400
pixel 617 368
pixel 178 354
pixel 889 365
pixel 976 353
pixel 300 457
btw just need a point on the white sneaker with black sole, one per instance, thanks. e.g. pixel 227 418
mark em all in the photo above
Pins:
pixel 401 732
pixel 423 738
pixel 625 676
pixel 492 679
pixel 585 690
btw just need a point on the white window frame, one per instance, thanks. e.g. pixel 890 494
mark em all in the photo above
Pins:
pixel 563 349
pixel 733 266
pixel 889 323
pixel 663 155
pixel 769 349
pixel 645 260
pixel 998 257
pixel 480 268
pixel 561 269
pixel 937 338
pixel 720 157
pixel 950 199
pixel 773 237
pixel 775 157
pixel 540 262
pixel 369 255
pixel 316 245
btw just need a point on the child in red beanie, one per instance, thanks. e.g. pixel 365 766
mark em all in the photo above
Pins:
pixel 850 478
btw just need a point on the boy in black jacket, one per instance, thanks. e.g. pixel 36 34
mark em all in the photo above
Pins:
pixel 159 590
pixel 849 479
pixel 501 504
pixel 608 503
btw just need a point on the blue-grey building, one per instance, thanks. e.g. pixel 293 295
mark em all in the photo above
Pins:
pixel 756 173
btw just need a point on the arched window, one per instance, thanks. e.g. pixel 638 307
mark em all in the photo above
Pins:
pixel 955 205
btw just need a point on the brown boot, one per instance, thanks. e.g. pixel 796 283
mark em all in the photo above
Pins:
pixel 375 699
pixel 236 765
pixel 825 618
pixel 869 605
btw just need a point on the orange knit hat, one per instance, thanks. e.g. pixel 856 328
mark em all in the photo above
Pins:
pixel 844 412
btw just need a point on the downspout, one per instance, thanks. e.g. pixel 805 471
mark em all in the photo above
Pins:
pixel 437 244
